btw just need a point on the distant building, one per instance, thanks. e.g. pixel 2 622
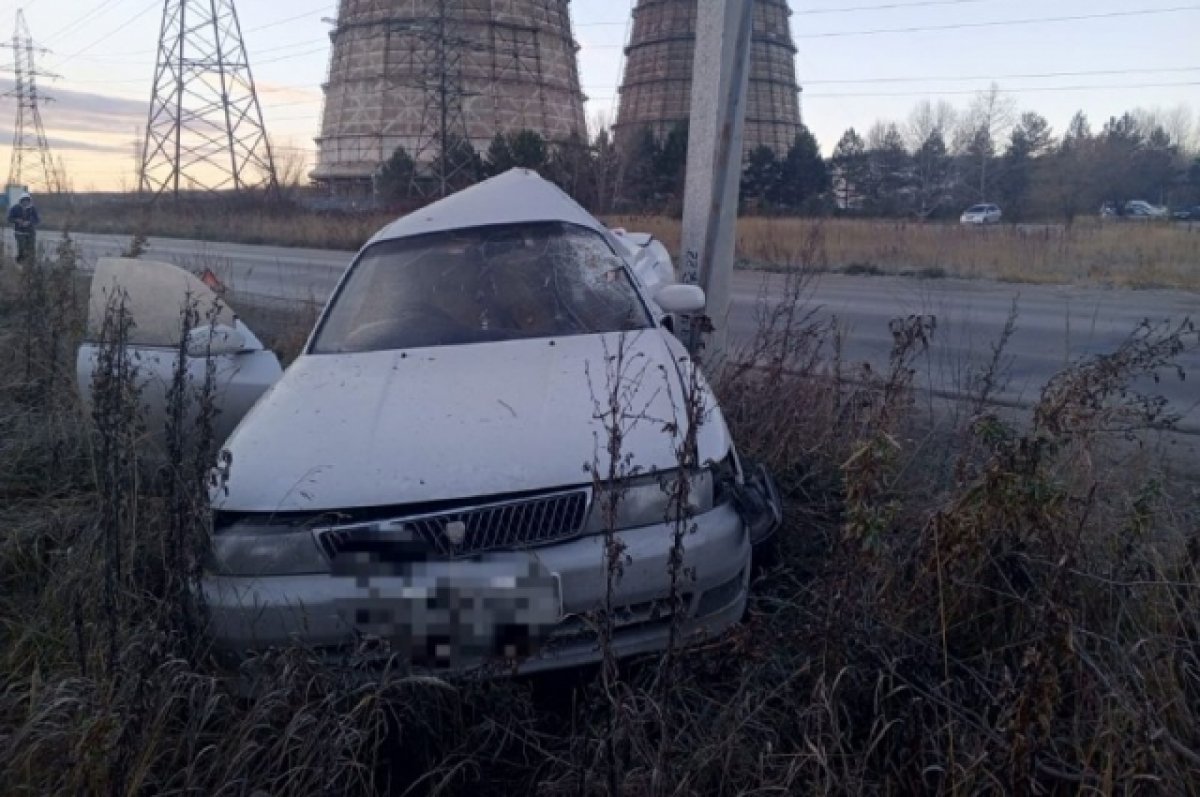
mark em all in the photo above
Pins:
pixel 657 89
pixel 404 71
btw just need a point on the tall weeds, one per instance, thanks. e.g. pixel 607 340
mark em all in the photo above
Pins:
pixel 107 686
pixel 1129 255
pixel 1126 255
pixel 1025 621
pixel 116 415
pixel 191 410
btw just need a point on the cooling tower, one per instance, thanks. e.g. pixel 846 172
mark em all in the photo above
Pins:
pixel 657 89
pixel 401 71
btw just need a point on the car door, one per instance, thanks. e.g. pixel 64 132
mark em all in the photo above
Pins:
pixel 154 295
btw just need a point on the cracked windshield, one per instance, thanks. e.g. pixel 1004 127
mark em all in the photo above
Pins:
pixel 475 286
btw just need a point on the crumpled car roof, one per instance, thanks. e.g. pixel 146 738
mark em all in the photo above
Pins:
pixel 515 197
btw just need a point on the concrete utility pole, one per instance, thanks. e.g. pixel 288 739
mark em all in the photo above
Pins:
pixel 714 165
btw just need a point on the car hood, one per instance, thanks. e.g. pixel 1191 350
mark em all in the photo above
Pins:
pixel 458 422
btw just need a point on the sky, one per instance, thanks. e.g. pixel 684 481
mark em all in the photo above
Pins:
pixel 859 61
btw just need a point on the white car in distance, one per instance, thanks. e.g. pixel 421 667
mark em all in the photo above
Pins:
pixel 981 214
pixel 1141 209
pixel 430 474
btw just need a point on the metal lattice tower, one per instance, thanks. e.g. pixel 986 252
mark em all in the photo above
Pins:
pixel 29 135
pixel 420 74
pixel 656 92
pixel 443 124
pixel 205 130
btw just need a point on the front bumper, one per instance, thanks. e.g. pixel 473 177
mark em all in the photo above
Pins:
pixel 254 614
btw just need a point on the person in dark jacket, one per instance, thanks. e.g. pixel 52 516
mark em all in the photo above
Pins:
pixel 24 219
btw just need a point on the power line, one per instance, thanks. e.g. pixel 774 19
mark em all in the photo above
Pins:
pixel 104 82
pixel 597 24
pixel 1018 76
pixel 293 45
pixel 123 57
pixel 888 6
pixel 323 9
pixel 109 59
pixel 1022 90
pixel 153 5
pixel 282 88
pixel 320 49
pixel 616 87
pixel 1144 12
pixel 314 101
pixel 70 26
pixel 306 118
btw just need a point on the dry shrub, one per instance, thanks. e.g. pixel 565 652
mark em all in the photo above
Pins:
pixel 250 220
pixel 1025 621
pixel 1029 623
pixel 107 683
pixel 1122 254
pixel 42 307
pixel 1136 255
pixel 283 323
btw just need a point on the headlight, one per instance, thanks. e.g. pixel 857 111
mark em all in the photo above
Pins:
pixel 265 550
pixel 649 500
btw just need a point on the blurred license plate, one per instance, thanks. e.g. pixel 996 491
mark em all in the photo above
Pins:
pixel 456 614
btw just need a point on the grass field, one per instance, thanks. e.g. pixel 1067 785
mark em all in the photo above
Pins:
pixel 959 603
pixel 1120 254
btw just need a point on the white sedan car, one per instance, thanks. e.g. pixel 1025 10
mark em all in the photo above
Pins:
pixel 429 475
pixel 981 214
pixel 1141 209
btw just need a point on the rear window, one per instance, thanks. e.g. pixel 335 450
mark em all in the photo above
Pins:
pixel 482 285
pixel 979 209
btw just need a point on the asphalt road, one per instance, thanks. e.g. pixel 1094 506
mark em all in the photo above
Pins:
pixel 1055 326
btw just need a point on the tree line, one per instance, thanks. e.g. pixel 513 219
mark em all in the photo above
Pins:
pixel 932 165
pixel 643 174
pixel 940 161
pixel 580 167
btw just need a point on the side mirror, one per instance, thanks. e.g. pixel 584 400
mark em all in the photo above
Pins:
pixel 215 340
pixel 680 299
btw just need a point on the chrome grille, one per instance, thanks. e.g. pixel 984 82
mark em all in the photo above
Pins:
pixel 508 525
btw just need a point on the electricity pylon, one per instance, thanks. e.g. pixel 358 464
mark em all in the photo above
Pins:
pixel 443 153
pixel 205 130
pixel 29 135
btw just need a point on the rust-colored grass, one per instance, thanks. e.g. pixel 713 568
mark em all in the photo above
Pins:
pixel 229 222
pixel 1129 255
pixel 957 603
pixel 1132 255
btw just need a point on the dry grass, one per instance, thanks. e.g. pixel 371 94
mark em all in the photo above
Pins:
pixel 959 606
pixel 284 324
pixel 249 223
pixel 1119 254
